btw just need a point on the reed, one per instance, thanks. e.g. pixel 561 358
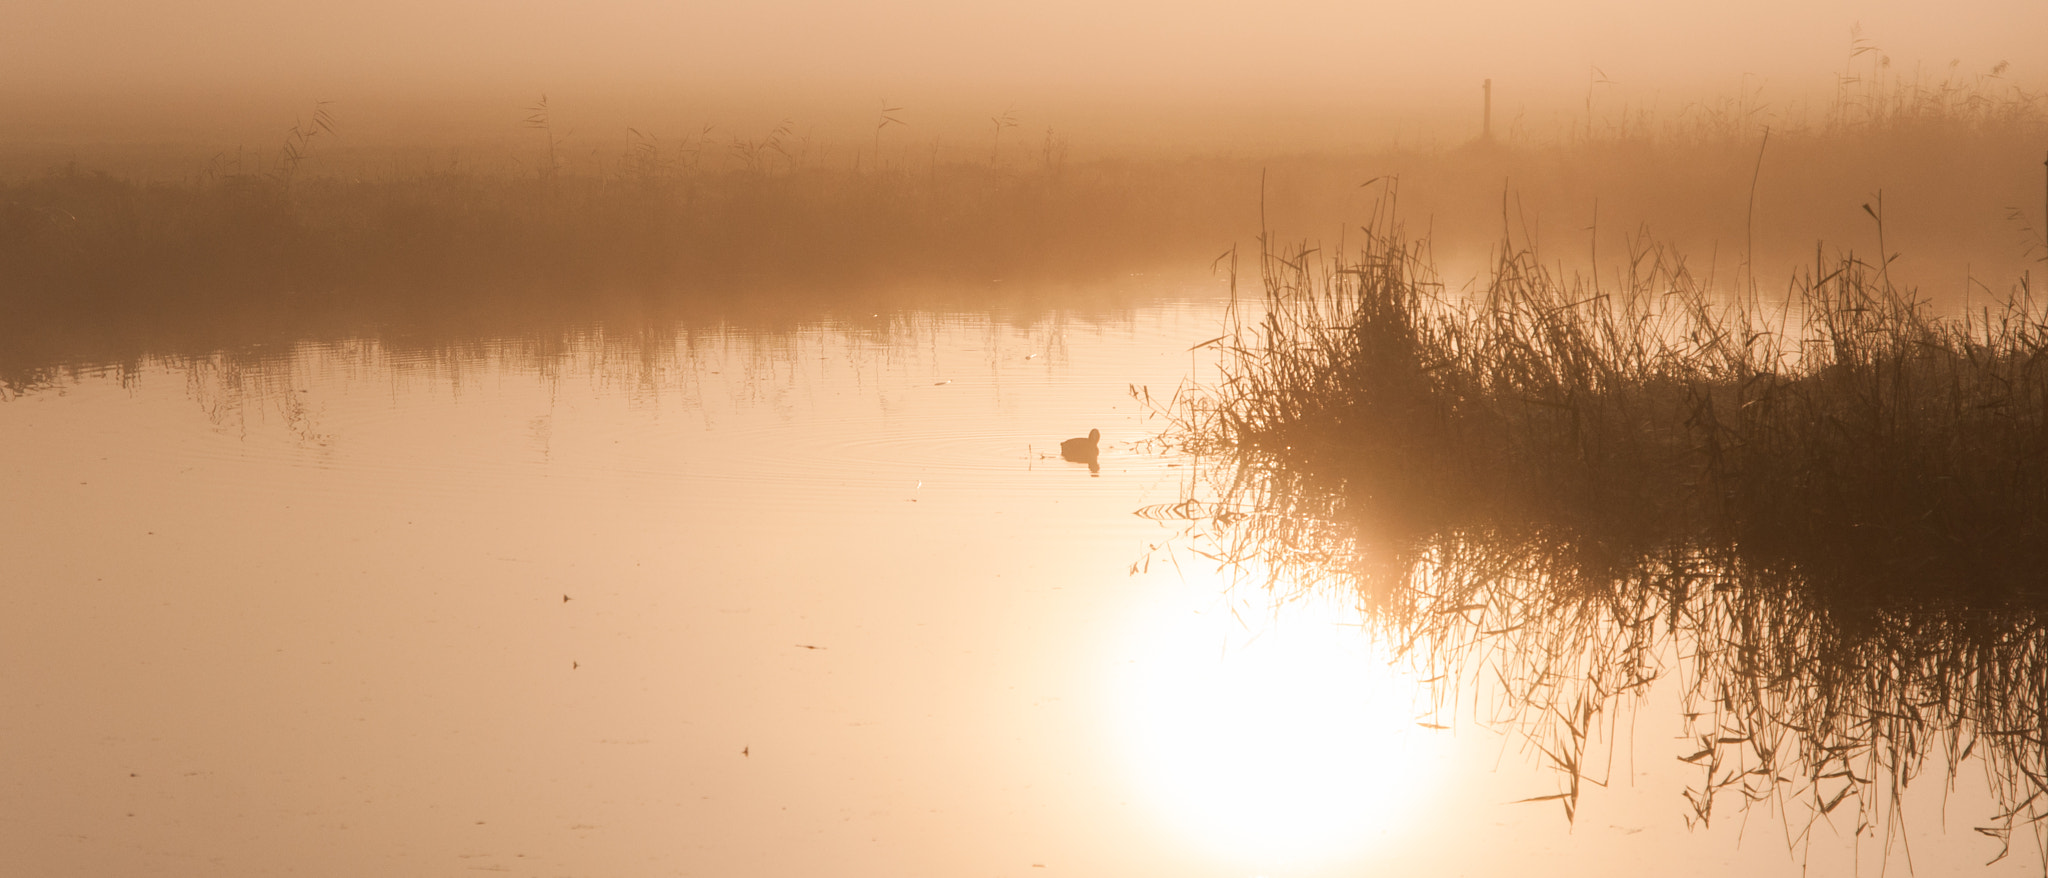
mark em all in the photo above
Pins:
pixel 1823 514
pixel 1847 413
pixel 95 265
pixel 152 251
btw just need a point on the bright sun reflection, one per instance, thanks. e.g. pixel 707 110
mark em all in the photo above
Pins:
pixel 1278 736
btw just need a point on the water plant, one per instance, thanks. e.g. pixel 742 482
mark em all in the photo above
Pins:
pixel 541 118
pixel 883 119
pixel 298 142
pixel 1006 119
pixel 1825 515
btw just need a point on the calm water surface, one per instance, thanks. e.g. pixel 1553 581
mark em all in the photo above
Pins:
pixel 821 600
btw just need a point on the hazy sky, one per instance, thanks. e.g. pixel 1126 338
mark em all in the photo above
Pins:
pixel 793 56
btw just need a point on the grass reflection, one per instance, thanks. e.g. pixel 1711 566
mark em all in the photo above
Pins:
pixel 1821 519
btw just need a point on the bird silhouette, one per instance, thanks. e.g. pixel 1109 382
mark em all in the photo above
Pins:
pixel 1082 450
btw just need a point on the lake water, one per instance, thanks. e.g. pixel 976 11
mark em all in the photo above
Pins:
pixel 820 599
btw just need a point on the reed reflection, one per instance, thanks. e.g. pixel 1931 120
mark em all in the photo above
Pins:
pixel 1826 536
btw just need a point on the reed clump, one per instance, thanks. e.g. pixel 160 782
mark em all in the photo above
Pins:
pixel 1846 418
pixel 1822 516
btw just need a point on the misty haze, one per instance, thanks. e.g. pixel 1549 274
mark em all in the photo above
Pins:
pixel 902 439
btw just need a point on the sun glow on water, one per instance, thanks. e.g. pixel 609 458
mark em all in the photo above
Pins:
pixel 1277 736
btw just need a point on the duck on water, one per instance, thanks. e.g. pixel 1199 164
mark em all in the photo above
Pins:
pixel 1086 450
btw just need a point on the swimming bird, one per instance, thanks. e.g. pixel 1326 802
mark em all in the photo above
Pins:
pixel 1082 450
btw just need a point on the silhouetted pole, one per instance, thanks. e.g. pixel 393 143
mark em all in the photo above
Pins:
pixel 1486 120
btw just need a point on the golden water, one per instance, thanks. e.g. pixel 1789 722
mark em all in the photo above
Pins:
pixel 821 600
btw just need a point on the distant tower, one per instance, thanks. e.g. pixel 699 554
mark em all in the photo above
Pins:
pixel 1486 121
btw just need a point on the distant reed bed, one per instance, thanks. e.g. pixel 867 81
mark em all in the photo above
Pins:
pixel 317 236
pixel 94 267
pixel 73 233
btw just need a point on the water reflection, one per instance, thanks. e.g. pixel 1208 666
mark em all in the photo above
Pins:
pixel 314 596
pixel 1276 734
pixel 542 323
pixel 1814 690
